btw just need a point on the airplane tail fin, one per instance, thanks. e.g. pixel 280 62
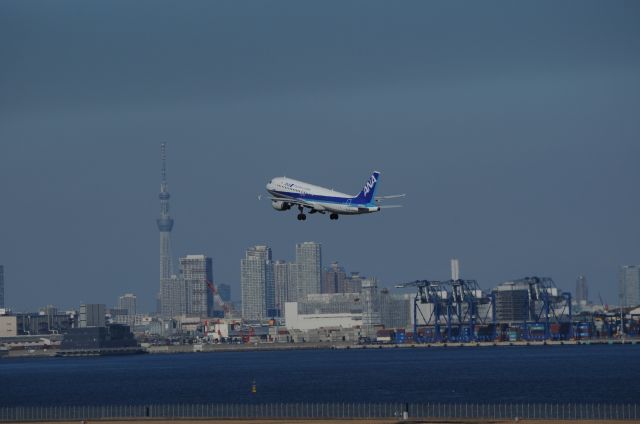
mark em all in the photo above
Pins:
pixel 366 196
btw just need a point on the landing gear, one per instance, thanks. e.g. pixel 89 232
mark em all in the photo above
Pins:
pixel 333 216
pixel 301 215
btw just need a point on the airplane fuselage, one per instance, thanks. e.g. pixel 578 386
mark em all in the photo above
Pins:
pixel 318 199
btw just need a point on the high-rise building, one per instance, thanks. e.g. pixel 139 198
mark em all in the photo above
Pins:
pixel 309 268
pixel 281 280
pixel 292 287
pixel 257 284
pixel 1 286
pixel 629 285
pixel 173 297
pixel 165 223
pixel 197 272
pixel 189 293
pixel 128 301
pixel 370 307
pixel 582 290
pixel 333 279
pixel 352 284
pixel 92 315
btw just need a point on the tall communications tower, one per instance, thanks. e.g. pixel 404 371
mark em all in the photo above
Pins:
pixel 165 222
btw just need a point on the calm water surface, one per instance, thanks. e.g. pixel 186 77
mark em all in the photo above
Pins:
pixel 506 374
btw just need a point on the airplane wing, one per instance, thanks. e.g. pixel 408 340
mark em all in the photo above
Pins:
pixel 294 201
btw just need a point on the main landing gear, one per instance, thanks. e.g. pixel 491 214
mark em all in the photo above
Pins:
pixel 301 215
pixel 333 216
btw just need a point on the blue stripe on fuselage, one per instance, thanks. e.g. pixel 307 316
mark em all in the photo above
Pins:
pixel 347 201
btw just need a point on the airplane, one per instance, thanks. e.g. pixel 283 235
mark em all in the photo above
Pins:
pixel 287 193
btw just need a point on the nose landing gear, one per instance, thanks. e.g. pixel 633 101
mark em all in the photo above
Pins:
pixel 333 216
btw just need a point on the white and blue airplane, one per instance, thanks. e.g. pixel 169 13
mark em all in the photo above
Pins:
pixel 287 193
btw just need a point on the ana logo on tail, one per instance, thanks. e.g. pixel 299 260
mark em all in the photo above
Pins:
pixel 369 185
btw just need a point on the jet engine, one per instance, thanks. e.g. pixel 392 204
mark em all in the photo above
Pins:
pixel 279 205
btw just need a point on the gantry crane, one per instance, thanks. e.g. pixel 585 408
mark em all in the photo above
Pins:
pixel 454 305
pixel 546 304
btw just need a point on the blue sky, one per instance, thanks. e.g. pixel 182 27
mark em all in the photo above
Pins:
pixel 512 126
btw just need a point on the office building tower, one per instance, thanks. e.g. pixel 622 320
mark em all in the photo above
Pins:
pixel 281 280
pixel 224 290
pixel 292 287
pixel 629 286
pixel 92 315
pixel 173 297
pixel 128 302
pixel 126 311
pixel 333 279
pixel 197 273
pixel 165 223
pixel 582 290
pixel 257 284
pixel 370 307
pixel 309 268
pixel 1 286
pixel 352 284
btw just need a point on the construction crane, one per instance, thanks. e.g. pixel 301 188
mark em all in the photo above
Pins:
pixel 217 299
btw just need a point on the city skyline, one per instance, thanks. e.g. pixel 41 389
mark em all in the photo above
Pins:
pixel 511 127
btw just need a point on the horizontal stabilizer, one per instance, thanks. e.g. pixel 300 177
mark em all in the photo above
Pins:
pixel 392 196
pixel 390 206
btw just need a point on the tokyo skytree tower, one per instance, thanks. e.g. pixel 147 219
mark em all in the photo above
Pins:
pixel 165 222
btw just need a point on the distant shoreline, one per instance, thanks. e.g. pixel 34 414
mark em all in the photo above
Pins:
pixel 208 348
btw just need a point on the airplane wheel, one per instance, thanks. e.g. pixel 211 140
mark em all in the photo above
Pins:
pixel 333 216
pixel 299 217
pixel 303 217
